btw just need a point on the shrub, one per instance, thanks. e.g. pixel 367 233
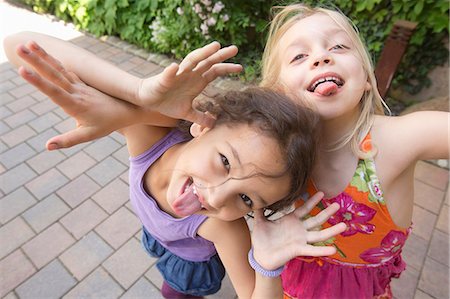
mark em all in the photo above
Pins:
pixel 177 27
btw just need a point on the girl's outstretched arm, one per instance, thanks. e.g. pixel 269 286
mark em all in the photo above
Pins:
pixel 197 70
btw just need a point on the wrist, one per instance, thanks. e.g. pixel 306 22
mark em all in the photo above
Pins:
pixel 260 269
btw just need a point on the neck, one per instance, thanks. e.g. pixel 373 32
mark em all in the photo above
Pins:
pixel 333 130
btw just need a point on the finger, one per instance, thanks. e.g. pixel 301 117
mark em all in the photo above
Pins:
pixel 322 217
pixel 221 69
pixel 325 234
pixel 169 73
pixel 57 94
pixel 309 205
pixel 218 57
pixel 201 118
pixel 53 62
pixel 259 216
pixel 71 138
pixel 310 250
pixel 43 68
pixel 196 56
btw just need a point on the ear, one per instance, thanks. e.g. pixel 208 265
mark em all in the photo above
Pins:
pixel 368 86
pixel 198 130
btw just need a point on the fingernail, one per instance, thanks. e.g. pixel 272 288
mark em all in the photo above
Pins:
pixel 52 146
pixel 24 50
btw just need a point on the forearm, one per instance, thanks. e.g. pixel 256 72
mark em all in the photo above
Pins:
pixel 267 287
pixel 92 70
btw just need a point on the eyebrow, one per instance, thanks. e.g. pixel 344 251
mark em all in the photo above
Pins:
pixel 332 31
pixel 236 156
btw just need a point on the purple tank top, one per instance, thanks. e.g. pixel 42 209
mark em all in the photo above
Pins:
pixel 178 235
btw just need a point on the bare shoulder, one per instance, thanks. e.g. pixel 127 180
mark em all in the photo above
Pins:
pixel 141 137
pixel 418 135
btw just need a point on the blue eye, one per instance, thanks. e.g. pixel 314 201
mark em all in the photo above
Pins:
pixel 298 57
pixel 339 47
pixel 225 162
pixel 247 200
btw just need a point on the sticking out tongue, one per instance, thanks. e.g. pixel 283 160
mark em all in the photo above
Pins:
pixel 187 203
pixel 326 88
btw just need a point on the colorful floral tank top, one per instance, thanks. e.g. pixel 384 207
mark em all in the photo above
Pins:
pixel 368 252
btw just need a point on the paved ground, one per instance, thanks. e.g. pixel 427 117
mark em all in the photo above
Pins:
pixel 68 230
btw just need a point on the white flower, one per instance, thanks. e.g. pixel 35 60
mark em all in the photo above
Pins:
pixel 225 18
pixel 218 7
pixel 204 28
pixel 206 2
pixel 197 8
pixel 211 21
pixel 180 11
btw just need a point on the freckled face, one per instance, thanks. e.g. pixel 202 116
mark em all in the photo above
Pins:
pixel 320 64
pixel 213 175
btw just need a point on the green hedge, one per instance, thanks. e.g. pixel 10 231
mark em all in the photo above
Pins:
pixel 178 26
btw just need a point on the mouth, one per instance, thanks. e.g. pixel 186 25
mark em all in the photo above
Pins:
pixel 188 201
pixel 326 84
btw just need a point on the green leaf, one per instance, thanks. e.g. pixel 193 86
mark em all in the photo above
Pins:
pixel 418 7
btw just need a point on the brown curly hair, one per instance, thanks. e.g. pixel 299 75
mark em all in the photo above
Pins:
pixel 294 127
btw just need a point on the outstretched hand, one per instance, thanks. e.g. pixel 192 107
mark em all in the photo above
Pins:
pixel 277 242
pixel 172 92
pixel 96 113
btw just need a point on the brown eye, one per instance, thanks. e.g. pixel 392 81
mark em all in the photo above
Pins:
pixel 225 162
pixel 247 200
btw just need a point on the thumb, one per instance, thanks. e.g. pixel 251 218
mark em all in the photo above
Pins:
pixel 204 119
pixel 69 139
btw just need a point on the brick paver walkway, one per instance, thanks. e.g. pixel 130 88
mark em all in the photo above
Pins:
pixel 67 227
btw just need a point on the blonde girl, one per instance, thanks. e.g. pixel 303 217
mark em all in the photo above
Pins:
pixel 366 160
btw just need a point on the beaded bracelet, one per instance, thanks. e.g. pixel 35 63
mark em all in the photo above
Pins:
pixel 258 268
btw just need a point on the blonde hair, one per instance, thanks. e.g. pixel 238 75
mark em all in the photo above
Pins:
pixel 371 103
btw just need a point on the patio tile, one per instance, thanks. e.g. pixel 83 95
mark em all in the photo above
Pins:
pixel 439 250
pixel 78 190
pixel 20 104
pixel 46 212
pixel 443 221
pixel 142 289
pixel 423 222
pixel 422 194
pixel 18 269
pixel 44 122
pixel 44 106
pixel 405 286
pixel 20 118
pixel 119 227
pixel 434 279
pixel 48 245
pixel 53 281
pixel 16 155
pixel 432 175
pixel 15 203
pixel 112 196
pixel 45 160
pixel 85 255
pixel 415 251
pixel 18 135
pixel 84 218
pixel 76 165
pixel 128 263
pixel 102 148
pixel 97 285
pixel 105 171
pixel 22 90
pixel 46 183
pixel 16 177
pixel 13 235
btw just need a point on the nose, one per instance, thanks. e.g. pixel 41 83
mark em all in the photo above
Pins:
pixel 216 196
pixel 322 58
